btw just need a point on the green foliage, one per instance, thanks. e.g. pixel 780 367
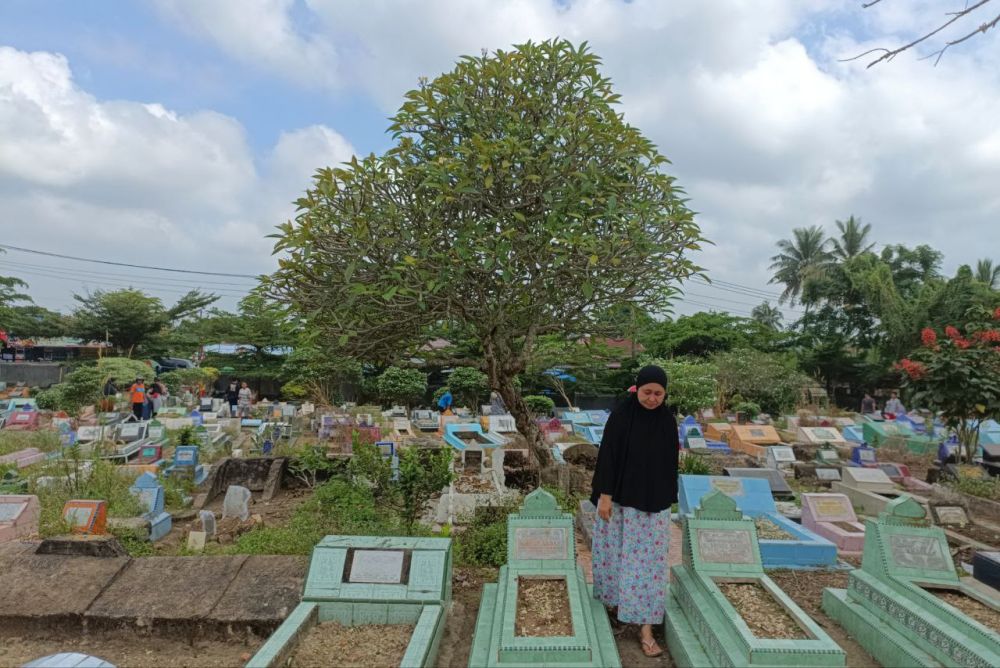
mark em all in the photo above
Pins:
pixel 469 386
pixel 987 488
pixel 748 408
pixel 83 386
pixel 185 436
pixel 134 541
pixel 484 541
pixel 193 377
pixel 294 392
pixel 31 321
pixel 401 386
pixel 12 441
pixel 52 399
pixel 540 406
pixel 702 334
pixel 309 463
pixel 567 501
pixel 693 464
pixel 104 481
pixel 323 372
pixel 488 206
pixel 691 383
pixel 770 380
pixel 260 325
pixel 129 317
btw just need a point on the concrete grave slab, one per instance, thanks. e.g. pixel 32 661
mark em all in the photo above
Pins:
pixel 18 516
pixel 265 590
pixel 186 588
pixel 780 488
pixel 46 587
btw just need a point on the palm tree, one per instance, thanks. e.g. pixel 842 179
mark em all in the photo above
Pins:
pixel 988 273
pixel 800 260
pixel 767 315
pixel 853 238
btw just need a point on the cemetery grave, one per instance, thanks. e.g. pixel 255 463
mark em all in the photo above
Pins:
pixel 880 432
pixel 18 517
pixel 723 610
pixel 906 604
pixel 23 420
pixel 753 439
pixel 869 489
pixel 363 581
pixel 149 491
pixel 780 489
pixel 541 567
pixel 780 458
pixel 692 437
pixel 718 431
pixel 960 529
pixel 832 516
pixel 820 436
pixel 86 517
pixel 186 464
pixel 863 455
pixel 786 545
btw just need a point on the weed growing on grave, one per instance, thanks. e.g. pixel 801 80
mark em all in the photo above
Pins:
pixel 103 481
pixel 484 540
pixel 175 490
pixel 568 501
pixel 987 488
pixel 134 541
pixel 692 464
pixel 12 441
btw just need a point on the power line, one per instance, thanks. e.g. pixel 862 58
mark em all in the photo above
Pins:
pixel 128 277
pixel 124 264
pixel 154 288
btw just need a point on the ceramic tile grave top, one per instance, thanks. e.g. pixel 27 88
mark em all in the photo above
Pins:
pixel 701 625
pixel 863 455
pixel 758 434
pixel 827 474
pixel 131 431
pixel 541 545
pixel 779 486
pixel 949 515
pixel 85 516
pixel 895 604
pixel 363 580
pixel 149 491
pixel 780 457
pixel 90 433
pixel 801 549
pixel 69 660
pixel 819 435
pixel 827 455
pixel 832 516
pixel 870 480
pixel 18 516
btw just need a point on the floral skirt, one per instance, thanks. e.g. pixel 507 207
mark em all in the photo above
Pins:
pixel 630 563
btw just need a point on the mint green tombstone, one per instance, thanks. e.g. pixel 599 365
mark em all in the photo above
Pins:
pixel 540 544
pixel 889 606
pixel 701 625
pixel 357 580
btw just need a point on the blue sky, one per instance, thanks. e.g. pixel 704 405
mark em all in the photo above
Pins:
pixel 176 132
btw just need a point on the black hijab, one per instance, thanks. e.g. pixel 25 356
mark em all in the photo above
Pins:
pixel 637 460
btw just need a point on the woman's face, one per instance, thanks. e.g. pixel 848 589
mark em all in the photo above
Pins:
pixel 651 395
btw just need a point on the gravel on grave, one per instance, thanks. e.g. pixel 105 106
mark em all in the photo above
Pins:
pixel 542 608
pixel 330 644
pixel 983 614
pixel 762 613
pixel 768 530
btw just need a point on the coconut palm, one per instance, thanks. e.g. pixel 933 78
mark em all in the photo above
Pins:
pixel 802 259
pixel 853 239
pixel 767 315
pixel 988 273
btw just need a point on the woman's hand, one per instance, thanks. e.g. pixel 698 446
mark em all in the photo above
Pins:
pixel 604 507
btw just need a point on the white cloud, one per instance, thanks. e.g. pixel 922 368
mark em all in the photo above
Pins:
pixel 137 182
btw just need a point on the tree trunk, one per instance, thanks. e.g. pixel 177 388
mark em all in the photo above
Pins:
pixel 522 418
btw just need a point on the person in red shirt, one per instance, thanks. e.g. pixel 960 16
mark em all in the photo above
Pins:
pixel 138 397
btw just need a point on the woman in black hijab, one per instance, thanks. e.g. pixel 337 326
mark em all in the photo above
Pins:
pixel 635 484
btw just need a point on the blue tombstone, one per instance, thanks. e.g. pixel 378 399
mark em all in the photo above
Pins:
pixel 186 463
pixel 149 491
pixel 853 434
pixel 266 447
pixel 862 455
pixel 198 418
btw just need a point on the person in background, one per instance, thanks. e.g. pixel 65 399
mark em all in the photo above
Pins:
pixel 894 407
pixel 137 394
pixel 635 483
pixel 157 393
pixel 245 400
pixel 233 397
pixel 109 393
pixel 867 405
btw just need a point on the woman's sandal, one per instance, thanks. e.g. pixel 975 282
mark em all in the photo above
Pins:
pixel 650 648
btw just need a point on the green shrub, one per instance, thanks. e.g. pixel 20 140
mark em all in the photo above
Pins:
pixel 469 386
pixel 52 399
pixel 539 405
pixel 178 378
pixel 749 409
pixel 692 464
pixel 482 545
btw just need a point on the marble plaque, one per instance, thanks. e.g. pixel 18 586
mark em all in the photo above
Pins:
pixel 782 454
pixel 728 487
pixel 827 507
pixel 720 546
pixel 828 474
pixel 10 511
pixel 891 470
pixel 876 476
pixel 695 443
pixel 377 566
pixel 825 434
pixel 76 516
pixel 919 552
pixel 540 543
pixel 867 455
pixel 951 515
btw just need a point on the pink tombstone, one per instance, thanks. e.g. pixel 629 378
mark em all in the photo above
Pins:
pixel 18 516
pixel 832 517
pixel 900 474
pixel 23 421
pixel 23 458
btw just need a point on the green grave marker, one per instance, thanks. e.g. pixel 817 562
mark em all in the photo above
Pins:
pixel 541 546
pixel 895 604
pixel 702 626
pixel 358 580
pixel 878 433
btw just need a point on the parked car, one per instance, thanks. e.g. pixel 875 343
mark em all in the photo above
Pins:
pixel 165 364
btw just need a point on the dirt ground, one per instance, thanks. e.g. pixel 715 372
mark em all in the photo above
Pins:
pixel 369 645
pixel 806 589
pixel 127 649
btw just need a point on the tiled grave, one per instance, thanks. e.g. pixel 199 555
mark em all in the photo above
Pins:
pixel 150 493
pixel 754 439
pixel 186 464
pixel 863 455
pixel 702 626
pixel 541 546
pixel 946 515
pixel 869 489
pixel 894 606
pixel 469 435
pixel 878 433
pixel 592 433
pixel 986 568
pixel 802 548
pixel 900 474
pixel 85 516
pixel 853 434
pixel 357 580
pixel 832 517
pixel 718 431
pixel 780 489
pixel 820 435
pixel 692 436
pixel 780 458
pixel 23 458
pixel 18 516
pixel 23 420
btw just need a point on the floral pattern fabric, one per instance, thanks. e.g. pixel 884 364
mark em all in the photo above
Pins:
pixel 630 563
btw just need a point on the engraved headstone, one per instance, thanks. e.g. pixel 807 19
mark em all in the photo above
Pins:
pixel 827 474
pixel 207 518
pixel 731 487
pixel 540 543
pixel 950 515
pixel 725 546
pixel 377 566
pixel 919 552
pixel 831 508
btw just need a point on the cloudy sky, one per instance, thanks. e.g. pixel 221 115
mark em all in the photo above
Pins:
pixel 175 133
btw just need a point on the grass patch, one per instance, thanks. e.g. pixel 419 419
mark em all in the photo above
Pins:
pixel 987 488
pixel 12 441
pixel 103 481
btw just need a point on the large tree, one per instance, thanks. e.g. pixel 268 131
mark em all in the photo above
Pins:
pixel 515 201
pixel 800 261
pixel 988 273
pixel 853 239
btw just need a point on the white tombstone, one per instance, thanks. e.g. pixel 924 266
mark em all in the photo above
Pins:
pixel 236 503
pixel 207 518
